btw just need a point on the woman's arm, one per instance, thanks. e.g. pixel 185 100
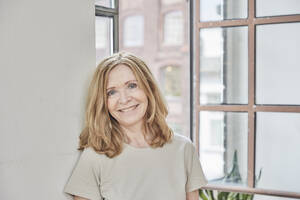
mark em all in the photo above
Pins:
pixel 194 195
pixel 79 198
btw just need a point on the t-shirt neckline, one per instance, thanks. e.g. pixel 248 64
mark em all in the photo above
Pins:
pixel 137 148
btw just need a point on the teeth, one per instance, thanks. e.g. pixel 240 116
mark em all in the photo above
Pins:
pixel 128 109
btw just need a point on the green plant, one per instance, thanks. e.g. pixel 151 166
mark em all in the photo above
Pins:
pixel 220 195
pixel 234 177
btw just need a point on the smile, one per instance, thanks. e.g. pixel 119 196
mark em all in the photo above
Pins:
pixel 129 108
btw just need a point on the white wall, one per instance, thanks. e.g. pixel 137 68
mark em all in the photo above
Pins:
pixel 47 55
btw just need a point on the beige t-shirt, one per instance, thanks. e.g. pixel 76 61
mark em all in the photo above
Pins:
pixel 166 173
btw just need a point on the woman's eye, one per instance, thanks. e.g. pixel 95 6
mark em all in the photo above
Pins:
pixel 132 85
pixel 111 92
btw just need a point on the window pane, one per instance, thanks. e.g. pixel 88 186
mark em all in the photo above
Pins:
pixel 277 150
pixel 277 64
pixel 170 66
pixel 105 3
pixel 214 10
pixel 271 7
pixel 221 135
pixel 173 28
pixel 224 65
pixel 133 31
pixel 265 197
pixel 169 2
pixel 103 31
pixel 171 82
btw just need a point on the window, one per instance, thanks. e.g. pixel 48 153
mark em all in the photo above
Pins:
pixel 103 37
pixel 102 32
pixel 246 99
pixel 105 3
pixel 170 80
pixel 173 28
pixel 171 85
pixel 106 28
pixel 133 31
pixel 215 10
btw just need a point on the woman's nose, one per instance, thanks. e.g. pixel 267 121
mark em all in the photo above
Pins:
pixel 124 97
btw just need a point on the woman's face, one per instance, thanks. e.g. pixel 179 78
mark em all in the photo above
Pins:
pixel 126 101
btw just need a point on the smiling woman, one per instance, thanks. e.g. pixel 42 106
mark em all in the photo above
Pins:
pixel 129 152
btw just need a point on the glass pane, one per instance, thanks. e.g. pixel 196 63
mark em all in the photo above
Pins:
pixel 224 65
pixel 173 28
pixel 277 64
pixel 170 66
pixel 271 7
pixel 103 32
pixel 277 150
pixel 267 197
pixel 133 31
pixel 105 3
pixel 169 2
pixel 214 10
pixel 171 82
pixel 223 147
pixel 220 195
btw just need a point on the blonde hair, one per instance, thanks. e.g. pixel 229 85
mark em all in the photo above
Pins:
pixel 102 132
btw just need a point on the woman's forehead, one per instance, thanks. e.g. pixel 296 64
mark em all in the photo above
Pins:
pixel 120 75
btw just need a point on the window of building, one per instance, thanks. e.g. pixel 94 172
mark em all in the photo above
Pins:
pixel 171 82
pixel 106 28
pixel 101 30
pixel 133 31
pixel 173 28
pixel 245 83
pixel 103 37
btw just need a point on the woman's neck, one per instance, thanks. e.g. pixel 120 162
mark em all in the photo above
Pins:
pixel 135 136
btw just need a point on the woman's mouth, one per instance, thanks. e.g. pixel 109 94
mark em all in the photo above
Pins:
pixel 128 108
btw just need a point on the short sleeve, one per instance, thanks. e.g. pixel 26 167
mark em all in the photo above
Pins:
pixel 85 178
pixel 195 176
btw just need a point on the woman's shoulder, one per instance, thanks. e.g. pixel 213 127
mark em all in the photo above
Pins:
pixel 180 139
pixel 90 154
pixel 89 151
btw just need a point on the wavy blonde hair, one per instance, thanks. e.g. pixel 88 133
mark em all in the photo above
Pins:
pixel 102 132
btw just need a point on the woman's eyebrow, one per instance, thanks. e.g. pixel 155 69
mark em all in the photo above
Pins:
pixel 110 88
pixel 134 80
pixel 130 81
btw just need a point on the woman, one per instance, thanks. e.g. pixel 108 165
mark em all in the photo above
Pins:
pixel 129 152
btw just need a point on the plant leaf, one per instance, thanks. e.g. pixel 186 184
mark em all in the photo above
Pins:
pixel 223 195
pixel 202 195
pixel 211 194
